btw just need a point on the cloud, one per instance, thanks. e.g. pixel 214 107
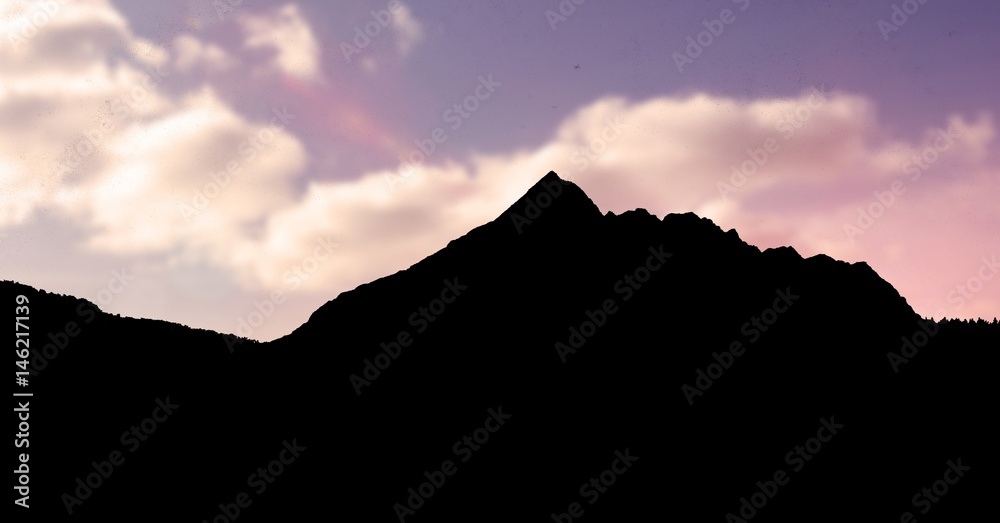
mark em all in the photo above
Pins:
pixel 832 158
pixel 108 146
pixel 44 81
pixel 192 53
pixel 409 32
pixel 286 31
pixel 135 203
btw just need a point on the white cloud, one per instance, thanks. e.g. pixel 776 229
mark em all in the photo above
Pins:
pixel 193 53
pixel 297 52
pixel 409 31
pixel 107 146
pixel 134 204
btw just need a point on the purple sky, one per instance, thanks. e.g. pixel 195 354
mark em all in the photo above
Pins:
pixel 118 121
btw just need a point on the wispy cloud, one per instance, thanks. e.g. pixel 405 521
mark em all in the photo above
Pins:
pixel 409 31
pixel 286 31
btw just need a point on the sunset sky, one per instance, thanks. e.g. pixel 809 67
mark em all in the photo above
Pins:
pixel 191 160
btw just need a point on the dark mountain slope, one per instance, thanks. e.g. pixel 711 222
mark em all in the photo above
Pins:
pixel 671 298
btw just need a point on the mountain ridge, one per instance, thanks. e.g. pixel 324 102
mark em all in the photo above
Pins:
pixel 666 339
pixel 567 209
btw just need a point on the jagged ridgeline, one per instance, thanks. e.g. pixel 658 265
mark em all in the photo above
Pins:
pixel 555 364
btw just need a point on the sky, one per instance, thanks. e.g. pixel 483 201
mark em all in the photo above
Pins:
pixel 234 164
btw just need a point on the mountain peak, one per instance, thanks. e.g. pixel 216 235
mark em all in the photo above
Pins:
pixel 551 202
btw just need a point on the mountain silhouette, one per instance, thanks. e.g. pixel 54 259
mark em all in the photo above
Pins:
pixel 555 364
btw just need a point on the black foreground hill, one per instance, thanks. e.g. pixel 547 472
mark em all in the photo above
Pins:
pixel 555 364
